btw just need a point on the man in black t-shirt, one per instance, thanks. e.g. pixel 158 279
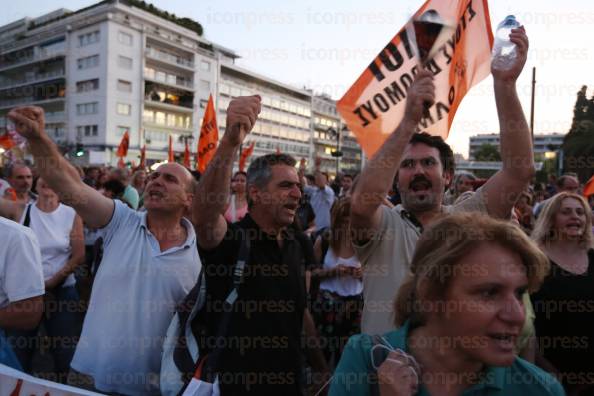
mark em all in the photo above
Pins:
pixel 263 345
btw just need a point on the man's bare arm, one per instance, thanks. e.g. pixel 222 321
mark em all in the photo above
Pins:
pixel 503 189
pixel 22 315
pixel 212 193
pixel 377 176
pixel 95 209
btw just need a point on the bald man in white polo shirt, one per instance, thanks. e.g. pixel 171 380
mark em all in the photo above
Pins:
pixel 150 262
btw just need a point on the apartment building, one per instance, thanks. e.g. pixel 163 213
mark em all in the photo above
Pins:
pixel 543 143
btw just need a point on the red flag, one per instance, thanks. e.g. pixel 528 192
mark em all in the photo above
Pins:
pixel 278 150
pixel 374 106
pixel 121 163
pixel 142 163
pixel 209 137
pixel 170 151
pixel 187 156
pixel 589 187
pixel 6 142
pixel 245 154
pixel 123 147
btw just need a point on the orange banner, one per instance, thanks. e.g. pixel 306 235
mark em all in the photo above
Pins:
pixel 374 106
pixel 209 137
pixel 123 147
pixel 245 154
pixel 170 157
pixel 187 156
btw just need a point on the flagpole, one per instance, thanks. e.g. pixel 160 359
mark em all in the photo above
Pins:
pixel 532 104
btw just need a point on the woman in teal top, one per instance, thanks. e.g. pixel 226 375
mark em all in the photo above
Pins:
pixel 458 314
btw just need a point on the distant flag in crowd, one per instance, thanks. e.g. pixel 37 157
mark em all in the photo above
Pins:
pixel 245 154
pixel 209 137
pixel 170 157
pixel 142 163
pixel 6 142
pixel 589 187
pixel 374 106
pixel 123 147
pixel 187 156
pixel 278 150
pixel 121 163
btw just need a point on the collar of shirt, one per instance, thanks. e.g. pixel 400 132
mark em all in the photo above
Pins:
pixel 189 242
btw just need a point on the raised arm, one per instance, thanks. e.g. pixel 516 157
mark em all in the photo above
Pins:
pixel 212 193
pixel 503 189
pixel 377 176
pixel 95 209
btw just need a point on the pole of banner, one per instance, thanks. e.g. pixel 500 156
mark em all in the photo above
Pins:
pixel 532 103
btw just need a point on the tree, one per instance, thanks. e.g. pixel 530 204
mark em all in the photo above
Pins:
pixel 578 145
pixel 487 152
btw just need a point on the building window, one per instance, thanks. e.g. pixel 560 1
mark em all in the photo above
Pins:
pixel 125 38
pixel 87 108
pixel 88 38
pixel 87 85
pixel 205 66
pixel 124 86
pixel 124 62
pixel 86 130
pixel 121 130
pixel 124 109
pixel 88 62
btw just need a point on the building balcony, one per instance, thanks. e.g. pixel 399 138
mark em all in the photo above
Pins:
pixel 25 80
pixel 175 128
pixel 179 83
pixel 38 56
pixel 169 59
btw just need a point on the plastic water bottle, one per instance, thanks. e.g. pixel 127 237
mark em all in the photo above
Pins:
pixel 504 51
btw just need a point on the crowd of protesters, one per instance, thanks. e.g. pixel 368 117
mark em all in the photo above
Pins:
pixel 275 271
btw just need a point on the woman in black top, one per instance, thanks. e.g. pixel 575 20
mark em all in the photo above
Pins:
pixel 565 303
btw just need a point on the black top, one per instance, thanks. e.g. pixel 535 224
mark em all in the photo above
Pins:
pixel 564 324
pixel 262 353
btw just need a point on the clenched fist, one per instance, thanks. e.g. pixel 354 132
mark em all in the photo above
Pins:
pixel 419 94
pixel 29 121
pixel 241 118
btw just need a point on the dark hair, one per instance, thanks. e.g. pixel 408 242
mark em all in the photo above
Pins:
pixel 239 173
pixel 561 181
pixel 446 155
pixel 115 186
pixel 348 175
pixel 260 170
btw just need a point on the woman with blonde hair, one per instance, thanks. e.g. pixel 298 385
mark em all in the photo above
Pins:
pixel 564 304
pixel 458 316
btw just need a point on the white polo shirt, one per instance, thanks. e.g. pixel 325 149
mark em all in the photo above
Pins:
pixel 21 274
pixel 134 297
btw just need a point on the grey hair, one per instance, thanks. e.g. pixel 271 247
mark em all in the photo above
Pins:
pixel 260 171
pixel 9 168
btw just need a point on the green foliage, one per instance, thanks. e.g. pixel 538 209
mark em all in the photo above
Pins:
pixel 183 22
pixel 487 152
pixel 578 145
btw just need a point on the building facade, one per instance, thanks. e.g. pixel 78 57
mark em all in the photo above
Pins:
pixel 542 143
pixel 120 66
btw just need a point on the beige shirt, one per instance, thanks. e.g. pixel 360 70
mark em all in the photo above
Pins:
pixel 386 261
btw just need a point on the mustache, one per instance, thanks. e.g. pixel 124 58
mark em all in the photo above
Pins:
pixel 419 179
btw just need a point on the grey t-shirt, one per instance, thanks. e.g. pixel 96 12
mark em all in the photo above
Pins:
pixel 386 261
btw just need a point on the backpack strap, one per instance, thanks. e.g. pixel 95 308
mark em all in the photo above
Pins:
pixel 27 220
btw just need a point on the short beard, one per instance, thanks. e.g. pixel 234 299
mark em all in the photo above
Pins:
pixel 413 205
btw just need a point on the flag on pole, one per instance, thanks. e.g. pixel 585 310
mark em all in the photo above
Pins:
pixel 142 163
pixel 123 147
pixel 278 150
pixel 121 163
pixel 187 156
pixel 245 154
pixel 589 187
pixel 374 106
pixel 170 157
pixel 6 142
pixel 209 137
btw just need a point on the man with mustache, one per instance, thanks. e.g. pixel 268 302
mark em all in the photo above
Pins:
pixel 385 238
